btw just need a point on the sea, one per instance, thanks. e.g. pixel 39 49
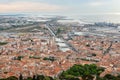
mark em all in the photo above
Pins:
pixel 110 18
pixel 97 18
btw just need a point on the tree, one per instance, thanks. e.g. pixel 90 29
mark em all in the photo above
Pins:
pixel 12 78
pixel 118 77
pixel 110 77
pixel 3 43
pixel 49 58
pixel 40 77
pixel 20 77
pixel 86 72
pixel 34 77
pixel 58 31
pixel 28 78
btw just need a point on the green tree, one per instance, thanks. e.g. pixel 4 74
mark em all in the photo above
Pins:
pixel 40 77
pixel 29 78
pixel 110 77
pixel 118 77
pixel 12 78
pixel 86 72
pixel 58 31
pixel 20 77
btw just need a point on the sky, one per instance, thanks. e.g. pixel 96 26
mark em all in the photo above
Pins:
pixel 64 7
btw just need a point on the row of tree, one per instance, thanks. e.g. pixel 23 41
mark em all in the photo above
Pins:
pixel 35 77
pixel 76 72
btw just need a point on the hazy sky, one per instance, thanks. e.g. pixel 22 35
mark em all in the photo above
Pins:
pixel 61 6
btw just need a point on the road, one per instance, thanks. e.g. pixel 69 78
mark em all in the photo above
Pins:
pixel 51 31
pixel 48 26
pixel 71 47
